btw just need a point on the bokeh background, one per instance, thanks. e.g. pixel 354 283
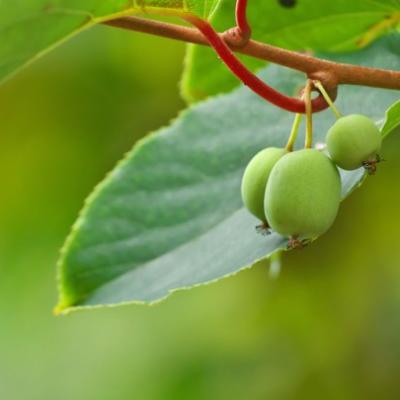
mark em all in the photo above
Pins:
pixel 328 328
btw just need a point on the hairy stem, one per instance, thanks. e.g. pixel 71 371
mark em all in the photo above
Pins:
pixel 316 68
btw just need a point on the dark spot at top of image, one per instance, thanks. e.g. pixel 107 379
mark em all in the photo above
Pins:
pixel 287 3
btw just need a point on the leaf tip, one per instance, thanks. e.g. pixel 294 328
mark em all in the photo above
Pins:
pixel 61 308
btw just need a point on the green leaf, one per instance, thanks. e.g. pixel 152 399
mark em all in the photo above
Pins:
pixel 170 215
pixel 392 120
pixel 324 25
pixel 29 29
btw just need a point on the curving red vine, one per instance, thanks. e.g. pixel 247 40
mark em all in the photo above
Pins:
pixel 239 37
pixel 328 74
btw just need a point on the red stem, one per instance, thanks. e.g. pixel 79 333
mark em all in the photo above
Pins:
pixel 241 18
pixel 331 74
pixel 247 77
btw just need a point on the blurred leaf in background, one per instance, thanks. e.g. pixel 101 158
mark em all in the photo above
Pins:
pixel 27 31
pixel 328 327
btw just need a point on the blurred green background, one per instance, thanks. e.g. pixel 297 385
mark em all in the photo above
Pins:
pixel 328 328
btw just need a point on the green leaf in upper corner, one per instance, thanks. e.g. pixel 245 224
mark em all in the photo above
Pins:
pixel 30 28
pixel 322 25
pixel 170 216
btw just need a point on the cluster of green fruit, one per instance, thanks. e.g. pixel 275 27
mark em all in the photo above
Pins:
pixel 297 194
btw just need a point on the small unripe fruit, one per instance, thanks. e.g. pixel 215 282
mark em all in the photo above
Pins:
pixel 353 141
pixel 255 179
pixel 303 194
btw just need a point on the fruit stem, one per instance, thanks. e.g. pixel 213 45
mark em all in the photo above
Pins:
pixel 294 132
pixel 327 98
pixel 309 116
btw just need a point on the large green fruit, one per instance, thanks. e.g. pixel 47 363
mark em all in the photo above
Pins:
pixel 353 141
pixel 303 194
pixel 255 179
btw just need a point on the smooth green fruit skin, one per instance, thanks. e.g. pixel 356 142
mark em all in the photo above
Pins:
pixel 255 179
pixel 352 140
pixel 302 196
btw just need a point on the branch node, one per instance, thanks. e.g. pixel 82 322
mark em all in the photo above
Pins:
pixel 236 38
pixel 328 79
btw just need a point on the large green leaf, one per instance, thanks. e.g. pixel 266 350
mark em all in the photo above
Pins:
pixel 170 215
pixel 30 28
pixel 322 25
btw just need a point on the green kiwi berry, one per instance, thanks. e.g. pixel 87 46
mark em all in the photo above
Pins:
pixel 303 194
pixel 353 141
pixel 255 179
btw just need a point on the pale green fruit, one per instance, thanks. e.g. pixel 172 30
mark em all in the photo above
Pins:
pixel 255 179
pixel 303 194
pixel 353 141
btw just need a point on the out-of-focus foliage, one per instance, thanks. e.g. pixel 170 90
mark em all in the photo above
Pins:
pixel 323 25
pixel 29 29
pixel 328 328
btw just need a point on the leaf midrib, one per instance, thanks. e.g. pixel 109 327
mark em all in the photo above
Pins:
pixel 306 23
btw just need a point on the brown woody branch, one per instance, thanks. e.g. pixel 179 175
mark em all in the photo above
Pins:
pixel 329 73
